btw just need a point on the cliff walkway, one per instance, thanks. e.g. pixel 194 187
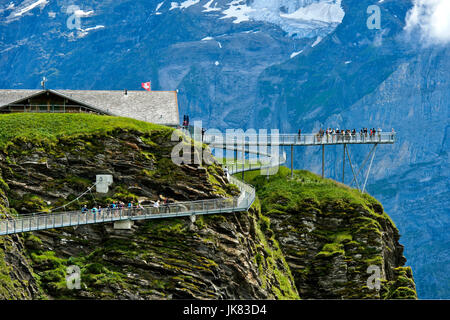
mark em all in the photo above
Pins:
pixel 43 221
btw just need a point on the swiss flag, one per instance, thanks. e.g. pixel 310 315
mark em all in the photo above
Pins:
pixel 147 86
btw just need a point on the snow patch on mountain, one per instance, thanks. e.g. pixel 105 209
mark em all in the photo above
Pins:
pixel 237 10
pixel 317 41
pixel 327 12
pixel 183 5
pixel 159 6
pixel 299 18
pixel 294 54
pixel 208 7
pixel 24 7
pixel 84 32
pixel 83 14
pixel 10 6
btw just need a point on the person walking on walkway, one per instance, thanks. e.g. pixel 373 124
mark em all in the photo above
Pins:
pixel 156 206
pixel 94 211
pixel 225 170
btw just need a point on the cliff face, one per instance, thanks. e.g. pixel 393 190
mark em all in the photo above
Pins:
pixel 16 276
pixel 218 257
pixel 308 238
pixel 331 235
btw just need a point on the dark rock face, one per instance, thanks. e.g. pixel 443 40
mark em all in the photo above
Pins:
pixel 54 172
pixel 16 276
pixel 333 237
pixel 211 258
pixel 336 267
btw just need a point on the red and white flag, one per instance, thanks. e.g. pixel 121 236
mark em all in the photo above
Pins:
pixel 147 86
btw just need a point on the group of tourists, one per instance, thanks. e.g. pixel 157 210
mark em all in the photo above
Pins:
pixel 117 206
pixel 113 206
pixel 346 135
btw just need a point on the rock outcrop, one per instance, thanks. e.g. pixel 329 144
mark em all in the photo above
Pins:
pixel 16 276
pixel 333 238
pixel 215 257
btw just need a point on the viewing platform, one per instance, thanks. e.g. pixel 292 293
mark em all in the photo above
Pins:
pixel 299 140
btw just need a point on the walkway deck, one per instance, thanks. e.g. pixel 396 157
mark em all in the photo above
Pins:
pixel 43 221
pixel 298 140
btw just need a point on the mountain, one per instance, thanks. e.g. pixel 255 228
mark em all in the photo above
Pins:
pixel 283 64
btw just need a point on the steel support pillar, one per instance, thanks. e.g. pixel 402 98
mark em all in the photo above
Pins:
pixel 343 163
pixel 292 161
pixel 323 161
pixel 243 159
pixel 363 164
pixel 370 167
pixel 353 171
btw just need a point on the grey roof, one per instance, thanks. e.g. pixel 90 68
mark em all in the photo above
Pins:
pixel 159 107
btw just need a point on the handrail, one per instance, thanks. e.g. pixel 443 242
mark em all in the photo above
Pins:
pixel 235 167
pixel 302 139
pixel 33 221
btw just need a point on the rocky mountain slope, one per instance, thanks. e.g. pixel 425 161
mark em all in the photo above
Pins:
pixel 283 64
pixel 163 259
pixel 314 244
pixel 331 235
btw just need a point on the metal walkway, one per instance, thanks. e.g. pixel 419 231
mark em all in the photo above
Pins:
pixel 232 142
pixel 43 221
pixel 239 141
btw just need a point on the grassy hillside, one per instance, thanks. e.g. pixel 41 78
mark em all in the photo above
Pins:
pixel 52 126
pixel 306 187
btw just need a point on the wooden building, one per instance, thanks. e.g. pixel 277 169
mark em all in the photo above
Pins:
pixel 159 107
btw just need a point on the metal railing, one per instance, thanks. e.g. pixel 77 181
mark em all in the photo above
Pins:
pixel 43 221
pixel 302 139
pixel 34 222
pixel 236 167
pixel 44 108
